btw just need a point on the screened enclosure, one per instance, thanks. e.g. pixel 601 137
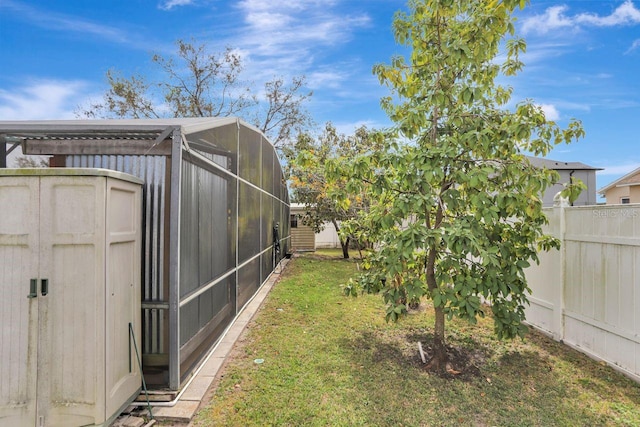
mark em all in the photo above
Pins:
pixel 215 220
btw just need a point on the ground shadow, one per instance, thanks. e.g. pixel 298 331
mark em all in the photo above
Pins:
pixel 398 349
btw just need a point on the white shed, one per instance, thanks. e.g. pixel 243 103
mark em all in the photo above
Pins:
pixel 70 315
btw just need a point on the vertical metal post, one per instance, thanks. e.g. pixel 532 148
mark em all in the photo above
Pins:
pixel 237 201
pixel 262 246
pixel 3 154
pixel 174 260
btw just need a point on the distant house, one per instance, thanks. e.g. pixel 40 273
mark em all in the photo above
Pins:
pixel 328 237
pixel 569 171
pixel 303 237
pixel 624 190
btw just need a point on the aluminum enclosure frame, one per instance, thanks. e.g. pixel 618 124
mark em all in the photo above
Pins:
pixel 246 170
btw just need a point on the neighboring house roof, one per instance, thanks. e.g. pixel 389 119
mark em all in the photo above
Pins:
pixel 559 165
pixel 630 179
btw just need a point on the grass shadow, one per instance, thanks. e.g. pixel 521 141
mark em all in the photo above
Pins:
pixel 397 348
pixel 592 375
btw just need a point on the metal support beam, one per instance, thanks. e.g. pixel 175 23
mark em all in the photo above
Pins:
pixel 81 146
pixel 174 260
pixel 3 154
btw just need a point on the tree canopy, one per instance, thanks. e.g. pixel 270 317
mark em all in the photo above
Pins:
pixel 197 83
pixel 459 214
pixel 306 162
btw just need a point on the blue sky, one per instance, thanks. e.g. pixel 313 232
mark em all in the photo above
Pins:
pixel 583 58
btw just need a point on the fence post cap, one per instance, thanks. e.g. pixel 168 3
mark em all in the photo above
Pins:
pixel 559 201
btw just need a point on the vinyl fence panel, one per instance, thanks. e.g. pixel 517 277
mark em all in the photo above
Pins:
pixel 587 294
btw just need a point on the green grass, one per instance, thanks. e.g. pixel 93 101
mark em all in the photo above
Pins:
pixel 330 360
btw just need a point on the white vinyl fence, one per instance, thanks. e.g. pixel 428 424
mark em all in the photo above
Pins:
pixel 587 294
pixel 328 237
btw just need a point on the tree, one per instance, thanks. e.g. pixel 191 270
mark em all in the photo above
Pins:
pixel 459 213
pixel 196 83
pixel 306 161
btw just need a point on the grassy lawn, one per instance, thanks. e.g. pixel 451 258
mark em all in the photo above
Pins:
pixel 330 360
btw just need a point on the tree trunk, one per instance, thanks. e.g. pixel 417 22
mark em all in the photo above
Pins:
pixel 439 361
pixel 345 248
pixel 343 243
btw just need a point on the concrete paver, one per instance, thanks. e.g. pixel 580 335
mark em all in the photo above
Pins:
pixel 212 365
pixel 182 411
pixel 128 421
pixel 197 388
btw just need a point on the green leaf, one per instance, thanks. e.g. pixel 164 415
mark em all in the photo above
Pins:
pixel 437 299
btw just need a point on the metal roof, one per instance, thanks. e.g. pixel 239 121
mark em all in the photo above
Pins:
pixel 107 137
pixel 134 129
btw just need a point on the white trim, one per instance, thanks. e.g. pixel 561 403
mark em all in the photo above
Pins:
pixel 632 184
pixel 617 181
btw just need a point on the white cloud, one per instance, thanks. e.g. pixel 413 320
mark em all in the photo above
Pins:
pixel 555 18
pixel 625 14
pixel 568 105
pixel 330 79
pixel 618 169
pixel 540 52
pixel 550 111
pixel 170 4
pixel 42 100
pixel 635 45
pixel 268 20
pixel 292 38
pixel 350 128
pixel 63 22
pixel 284 28
pixel 298 5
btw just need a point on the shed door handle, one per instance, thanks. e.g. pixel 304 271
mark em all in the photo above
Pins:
pixel 44 287
pixel 33 291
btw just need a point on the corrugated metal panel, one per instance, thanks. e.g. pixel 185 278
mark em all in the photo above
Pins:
pixel 153 171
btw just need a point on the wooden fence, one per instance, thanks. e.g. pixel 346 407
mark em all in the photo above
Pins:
pixel 587 294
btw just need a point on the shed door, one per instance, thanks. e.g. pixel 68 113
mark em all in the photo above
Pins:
pixel 51 343
pixel 71 340
pixel 19 264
